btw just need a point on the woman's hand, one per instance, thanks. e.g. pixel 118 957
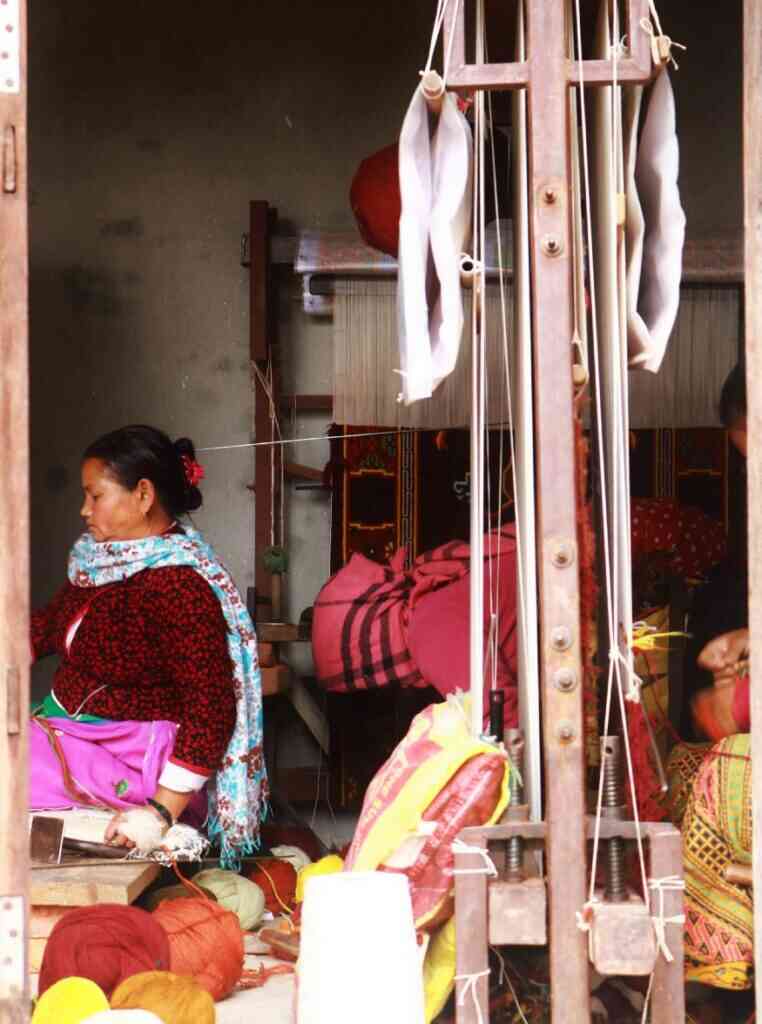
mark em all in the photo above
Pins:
pixel 115 837
pixel 721 655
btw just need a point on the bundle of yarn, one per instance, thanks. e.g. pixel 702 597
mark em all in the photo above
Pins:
pixel 236 893
pixel 172 892
pixel 205 942
pixel 328 865
pixel 293 854
pixel 69 1001
pixel 172 998
pixel 106 944
pixel 144 827
pixel 124 1017
pixel 277 880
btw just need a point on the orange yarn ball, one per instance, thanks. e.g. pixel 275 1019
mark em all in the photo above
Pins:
pixel 205 943
pixel 173 999
pixel 275 876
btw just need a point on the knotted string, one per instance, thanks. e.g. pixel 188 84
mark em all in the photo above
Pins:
pixel 470 986
pixel 488 866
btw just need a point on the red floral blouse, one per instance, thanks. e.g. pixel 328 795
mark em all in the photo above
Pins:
pixel 157 643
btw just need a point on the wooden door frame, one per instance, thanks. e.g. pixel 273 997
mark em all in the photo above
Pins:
pixel 14 524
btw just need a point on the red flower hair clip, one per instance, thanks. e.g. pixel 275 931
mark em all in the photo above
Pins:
pixel 194 471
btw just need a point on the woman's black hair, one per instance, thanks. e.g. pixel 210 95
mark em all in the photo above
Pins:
pixel 733 397
pixel 143 453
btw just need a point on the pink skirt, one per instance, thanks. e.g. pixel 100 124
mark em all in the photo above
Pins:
pixel 106 764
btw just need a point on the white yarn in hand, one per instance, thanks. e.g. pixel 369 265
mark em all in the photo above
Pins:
pixel 143 827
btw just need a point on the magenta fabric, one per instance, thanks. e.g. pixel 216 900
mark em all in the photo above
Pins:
pixel 116 763
pixel 375 625
pixel 439 639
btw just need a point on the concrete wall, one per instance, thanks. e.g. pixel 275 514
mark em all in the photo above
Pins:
pixel 152 126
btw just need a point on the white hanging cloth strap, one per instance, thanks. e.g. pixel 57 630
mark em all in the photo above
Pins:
pixel 488 866
pixel 660 886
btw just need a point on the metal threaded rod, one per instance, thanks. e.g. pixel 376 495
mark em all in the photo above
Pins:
pixel 515 859
pixel 613 802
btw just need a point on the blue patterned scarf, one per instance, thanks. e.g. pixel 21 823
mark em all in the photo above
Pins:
pixel 239 791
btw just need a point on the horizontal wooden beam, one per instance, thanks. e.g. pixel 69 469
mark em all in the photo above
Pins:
pixel 602 72
pixel 489 76
pixel 306 403
pixel 516 75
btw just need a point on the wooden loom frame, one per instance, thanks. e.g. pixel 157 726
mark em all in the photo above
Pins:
pixel 547 74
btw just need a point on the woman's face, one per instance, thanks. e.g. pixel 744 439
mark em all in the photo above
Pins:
pixel 110 511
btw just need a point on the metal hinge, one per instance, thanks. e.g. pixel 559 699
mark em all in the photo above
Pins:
pixel 12 947
pixel 10 47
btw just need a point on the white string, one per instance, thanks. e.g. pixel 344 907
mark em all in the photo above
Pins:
pixel 436 29
pixel 470 986
pixel 647 1000
pixel 672 883
pixel 488 865
pixel 296 440
pixel 435 32
pixel 611 558
pixel 505 977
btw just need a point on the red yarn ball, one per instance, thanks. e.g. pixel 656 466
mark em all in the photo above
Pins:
pixel 106 944
pixel 282 875
pixel 205 943
pixel 375 199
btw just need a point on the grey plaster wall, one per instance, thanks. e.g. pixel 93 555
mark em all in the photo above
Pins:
pixel 152 125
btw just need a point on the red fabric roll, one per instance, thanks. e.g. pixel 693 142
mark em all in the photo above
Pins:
pixel 106 944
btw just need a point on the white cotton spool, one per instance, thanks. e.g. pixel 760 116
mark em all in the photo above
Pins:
pixel 359 959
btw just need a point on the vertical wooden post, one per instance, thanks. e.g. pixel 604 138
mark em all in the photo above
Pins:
pixel 471 939
pixel 666 856
pixel 259 326
pixel 752 172
pixel 558 564
pixel 14 523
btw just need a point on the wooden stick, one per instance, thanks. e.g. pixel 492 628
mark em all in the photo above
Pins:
pixel 752 171
pixel 14 530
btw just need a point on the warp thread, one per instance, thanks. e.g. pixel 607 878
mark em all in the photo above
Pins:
pixel 205 943
pixel 236 893
pixel 106 944
pixel 172 998
pixel 69 1001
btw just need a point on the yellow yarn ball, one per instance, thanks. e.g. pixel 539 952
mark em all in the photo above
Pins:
pixel 174 999
pixel 69 1001
pixel 329 865
pixel 236 893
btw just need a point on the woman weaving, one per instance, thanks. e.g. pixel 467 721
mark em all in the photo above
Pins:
pixel 158 690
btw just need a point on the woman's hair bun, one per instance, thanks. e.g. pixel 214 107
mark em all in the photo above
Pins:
pixel 186 449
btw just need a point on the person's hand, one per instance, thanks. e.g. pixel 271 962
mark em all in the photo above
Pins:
pixel 113 835
pixel 721 655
